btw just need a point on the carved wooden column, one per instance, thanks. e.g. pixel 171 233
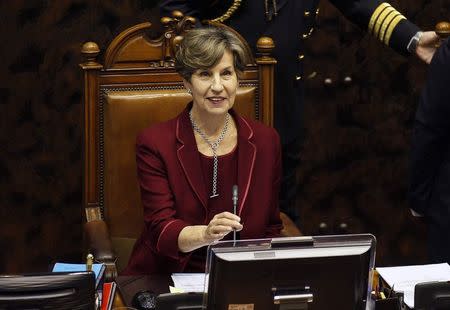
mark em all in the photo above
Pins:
pixel 266 64
pixel 91 69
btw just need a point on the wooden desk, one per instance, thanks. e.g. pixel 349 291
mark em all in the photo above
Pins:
pixel 118 301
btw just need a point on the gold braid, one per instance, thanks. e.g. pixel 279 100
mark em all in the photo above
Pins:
pixel 228 13
pixel 266 9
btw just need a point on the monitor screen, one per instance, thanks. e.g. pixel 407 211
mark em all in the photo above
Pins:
pixel 56 290
pixel 323 272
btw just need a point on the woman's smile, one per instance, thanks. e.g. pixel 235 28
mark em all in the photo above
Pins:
pixel 216 100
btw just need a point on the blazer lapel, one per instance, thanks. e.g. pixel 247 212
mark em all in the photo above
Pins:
pixel 246 158
pixel 188 156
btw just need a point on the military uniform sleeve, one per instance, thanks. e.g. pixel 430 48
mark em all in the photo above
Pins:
pixel 381 20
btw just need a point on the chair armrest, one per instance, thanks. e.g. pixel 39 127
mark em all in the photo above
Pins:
pixel 289 227
pixel 99 245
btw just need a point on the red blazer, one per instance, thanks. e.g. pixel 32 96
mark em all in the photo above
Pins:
pixel 174 195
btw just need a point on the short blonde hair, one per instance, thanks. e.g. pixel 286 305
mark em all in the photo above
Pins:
pixel 202 48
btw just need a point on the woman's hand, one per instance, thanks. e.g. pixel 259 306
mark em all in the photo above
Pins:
pixel 196 236
pixel 220 225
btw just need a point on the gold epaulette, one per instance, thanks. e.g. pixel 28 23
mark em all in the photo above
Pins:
pixel 383 22
pixel 228 13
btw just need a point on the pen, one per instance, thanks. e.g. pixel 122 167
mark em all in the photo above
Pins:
pixel 390 292
pixel 89 262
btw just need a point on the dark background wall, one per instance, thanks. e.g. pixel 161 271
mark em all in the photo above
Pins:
pixel 353 163
pixel 354 174
pixel 40 128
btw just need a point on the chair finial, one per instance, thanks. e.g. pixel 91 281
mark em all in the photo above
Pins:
pixel 90 51
pixel 265 45
pixel 442 29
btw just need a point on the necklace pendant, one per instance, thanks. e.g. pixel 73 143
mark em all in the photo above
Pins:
pixel 213 145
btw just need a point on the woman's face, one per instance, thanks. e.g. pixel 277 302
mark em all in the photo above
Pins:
pixel 214 89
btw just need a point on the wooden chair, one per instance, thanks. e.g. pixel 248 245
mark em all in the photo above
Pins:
pixel 134 87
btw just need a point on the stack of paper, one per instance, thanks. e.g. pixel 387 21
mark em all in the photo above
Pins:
pixel 404 278
pixel 189 282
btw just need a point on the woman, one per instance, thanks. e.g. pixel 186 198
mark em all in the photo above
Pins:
pixel 187 166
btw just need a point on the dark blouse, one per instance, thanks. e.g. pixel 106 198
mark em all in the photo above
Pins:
pixel 226 178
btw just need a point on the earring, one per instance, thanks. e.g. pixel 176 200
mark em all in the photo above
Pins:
pixel 189 91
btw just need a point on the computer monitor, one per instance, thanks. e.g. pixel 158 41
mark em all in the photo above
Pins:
pixel 57 290
pixel 314 273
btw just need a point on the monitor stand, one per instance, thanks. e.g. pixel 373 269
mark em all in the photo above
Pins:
pixel 290 298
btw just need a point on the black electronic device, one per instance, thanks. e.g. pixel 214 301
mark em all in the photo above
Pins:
pixel 49 291
pixel 314 273
pixel 432 296
pixel 180 301
pixel 144 300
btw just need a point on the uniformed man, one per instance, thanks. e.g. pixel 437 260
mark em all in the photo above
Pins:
pixel 429 190
pixel 288 22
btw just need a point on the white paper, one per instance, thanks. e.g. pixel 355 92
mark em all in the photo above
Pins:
pixel 174 290
pixel 404 278
pixel 189 282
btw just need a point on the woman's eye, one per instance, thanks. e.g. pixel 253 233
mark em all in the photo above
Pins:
pixel 227 73
pixel 204 73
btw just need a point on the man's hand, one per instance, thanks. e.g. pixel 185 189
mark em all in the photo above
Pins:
pixel 428 43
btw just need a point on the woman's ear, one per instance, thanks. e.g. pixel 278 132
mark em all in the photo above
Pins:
pixel 187 85
pixel 238 75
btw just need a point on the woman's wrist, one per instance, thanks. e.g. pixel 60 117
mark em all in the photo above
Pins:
pixel 205 235
pixel 192 238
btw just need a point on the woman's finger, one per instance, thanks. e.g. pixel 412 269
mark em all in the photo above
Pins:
pixel 227 215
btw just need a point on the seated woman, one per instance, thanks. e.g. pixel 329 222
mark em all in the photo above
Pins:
pixel 187 166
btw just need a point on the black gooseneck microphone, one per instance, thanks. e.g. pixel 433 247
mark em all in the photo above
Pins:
pixel 235 201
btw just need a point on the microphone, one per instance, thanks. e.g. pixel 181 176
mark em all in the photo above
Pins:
pixel 235 201
pixel 235 198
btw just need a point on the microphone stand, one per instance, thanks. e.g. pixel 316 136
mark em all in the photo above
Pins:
pixel 235 201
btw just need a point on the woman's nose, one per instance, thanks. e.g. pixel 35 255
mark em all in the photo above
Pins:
pixel 216 85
